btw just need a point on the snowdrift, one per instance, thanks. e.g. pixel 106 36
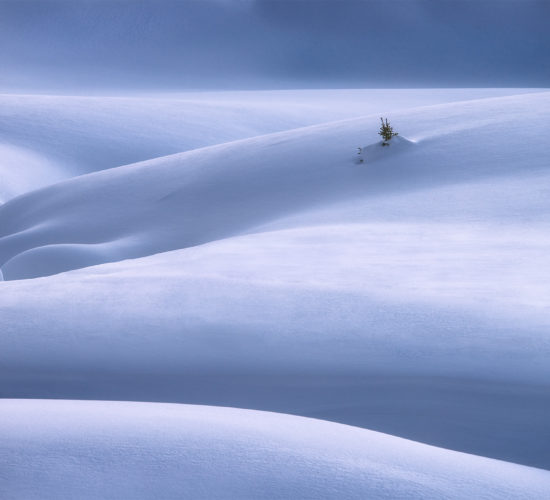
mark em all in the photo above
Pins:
pixel 217 192
pixel 23 170
pixel 331 322
pixel 407 294
pixel 46 138
pixel 148 451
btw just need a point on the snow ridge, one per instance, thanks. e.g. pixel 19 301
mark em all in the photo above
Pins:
pixel 263 268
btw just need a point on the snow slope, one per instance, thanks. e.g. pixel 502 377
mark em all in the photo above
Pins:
pixel 63 136
pixel 374 325
pixel 23 170
pixel 207 194
pixel 134 450
pixel 407 294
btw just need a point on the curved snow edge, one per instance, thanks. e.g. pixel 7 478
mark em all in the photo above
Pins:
pixel 98 449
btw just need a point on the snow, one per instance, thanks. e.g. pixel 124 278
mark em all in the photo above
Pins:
pixel 55 136
pixel 114 450
pixel 263 268
pixel 23 170
pixel 195 197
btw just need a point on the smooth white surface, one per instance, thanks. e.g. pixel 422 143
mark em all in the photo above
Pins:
pixel 91 450
pixel 221 191
pixel 407 294
pixel 45 138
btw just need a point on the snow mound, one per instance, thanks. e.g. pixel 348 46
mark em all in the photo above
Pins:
pixel 221 191
pixel 436 332
pixel 91 450
pixel 407 295
pixel 46 138
pixel 22 170
pixel 376 151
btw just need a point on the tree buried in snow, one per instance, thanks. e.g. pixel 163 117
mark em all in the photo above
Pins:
pixel 386 131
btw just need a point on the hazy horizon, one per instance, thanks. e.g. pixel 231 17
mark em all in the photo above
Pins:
pixel 167 45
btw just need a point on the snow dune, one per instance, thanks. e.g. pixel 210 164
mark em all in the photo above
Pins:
pixel 401 328
pixel 407 294
pixel 23 170
pixel 118 450
pixel 217 192
pixel 64 136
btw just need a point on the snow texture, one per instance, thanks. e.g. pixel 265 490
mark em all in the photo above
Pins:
pixel 263 267
pixel 49 137
pixel 91 450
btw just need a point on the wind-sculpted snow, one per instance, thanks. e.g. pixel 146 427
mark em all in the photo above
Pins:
pixel 22 170
pixel 406 294
pixel 217 192
pixel 44 138
pixel 91 450
pixel 405 328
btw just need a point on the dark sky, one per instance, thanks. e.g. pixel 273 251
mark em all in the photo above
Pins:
pixel 173 45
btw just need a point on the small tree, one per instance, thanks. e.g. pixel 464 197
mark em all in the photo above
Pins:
pixel 386 131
